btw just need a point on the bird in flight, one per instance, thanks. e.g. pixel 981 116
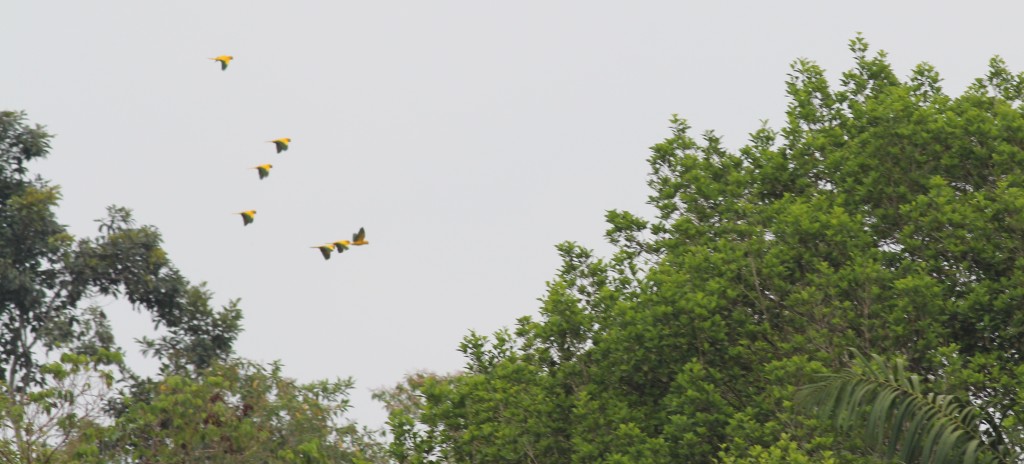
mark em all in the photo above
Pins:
pixel 325 249
pixel 247 216
pixel 341 245
pixel 359 238
pixel 281 143
pixel 224 60
pixel 264 170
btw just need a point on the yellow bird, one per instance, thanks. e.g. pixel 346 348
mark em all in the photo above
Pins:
pixel 247 216
pixel 224 60
pixel 281 143
pixel 341 245
pixel 325 249
pixel 359 238
pixel 264 170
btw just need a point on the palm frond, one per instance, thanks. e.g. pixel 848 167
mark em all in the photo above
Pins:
pixel 896 417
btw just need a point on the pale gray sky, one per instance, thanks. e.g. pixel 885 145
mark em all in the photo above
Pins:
pixel 467 137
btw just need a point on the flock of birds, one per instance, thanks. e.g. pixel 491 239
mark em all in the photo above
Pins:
pixel 248 216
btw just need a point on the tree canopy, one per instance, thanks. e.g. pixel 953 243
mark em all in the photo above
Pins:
pixel 884 216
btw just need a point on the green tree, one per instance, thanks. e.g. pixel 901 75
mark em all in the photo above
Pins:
pixel 404 402
pixel 57 349
pixel 45 424
pixel 237 411
pixel 66 394
pixel 884 216
pixel 48 277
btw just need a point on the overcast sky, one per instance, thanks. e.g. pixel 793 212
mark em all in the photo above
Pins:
pixel 467 137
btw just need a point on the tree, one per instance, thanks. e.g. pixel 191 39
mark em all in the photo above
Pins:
pixel 47 279
pixel 47 274
pixel 54 422
pixel 411 443
pixel 884 216
pixel 66 394
pixel 238 411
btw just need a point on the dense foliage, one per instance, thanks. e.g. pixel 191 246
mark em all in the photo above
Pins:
pixel 884 216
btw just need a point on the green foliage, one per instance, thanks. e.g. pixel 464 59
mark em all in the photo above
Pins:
pixel 46 276
pixel 47 279
pixel 203 336
pixel 237 412
pixel 44 424
pixel 785 451
pixel 19 144
pixel 66 394
pixel 884 216
pixel 892 406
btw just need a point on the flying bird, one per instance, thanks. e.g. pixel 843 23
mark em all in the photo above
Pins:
pixel 359 238
pixel 264 170
pixel 281 143
pixel 325 249
pixel 224 60
pixel 341 245
pixel 247 216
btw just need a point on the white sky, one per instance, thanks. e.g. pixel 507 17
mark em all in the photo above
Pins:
pixel 468 138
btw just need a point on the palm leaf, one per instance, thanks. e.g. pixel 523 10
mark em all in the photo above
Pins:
pixel 898 418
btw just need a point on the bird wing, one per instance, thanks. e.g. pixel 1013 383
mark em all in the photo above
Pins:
pixel 326 251
pixel 359 236
pixel 264 172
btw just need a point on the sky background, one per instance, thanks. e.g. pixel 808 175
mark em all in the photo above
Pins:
pixel 467 137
